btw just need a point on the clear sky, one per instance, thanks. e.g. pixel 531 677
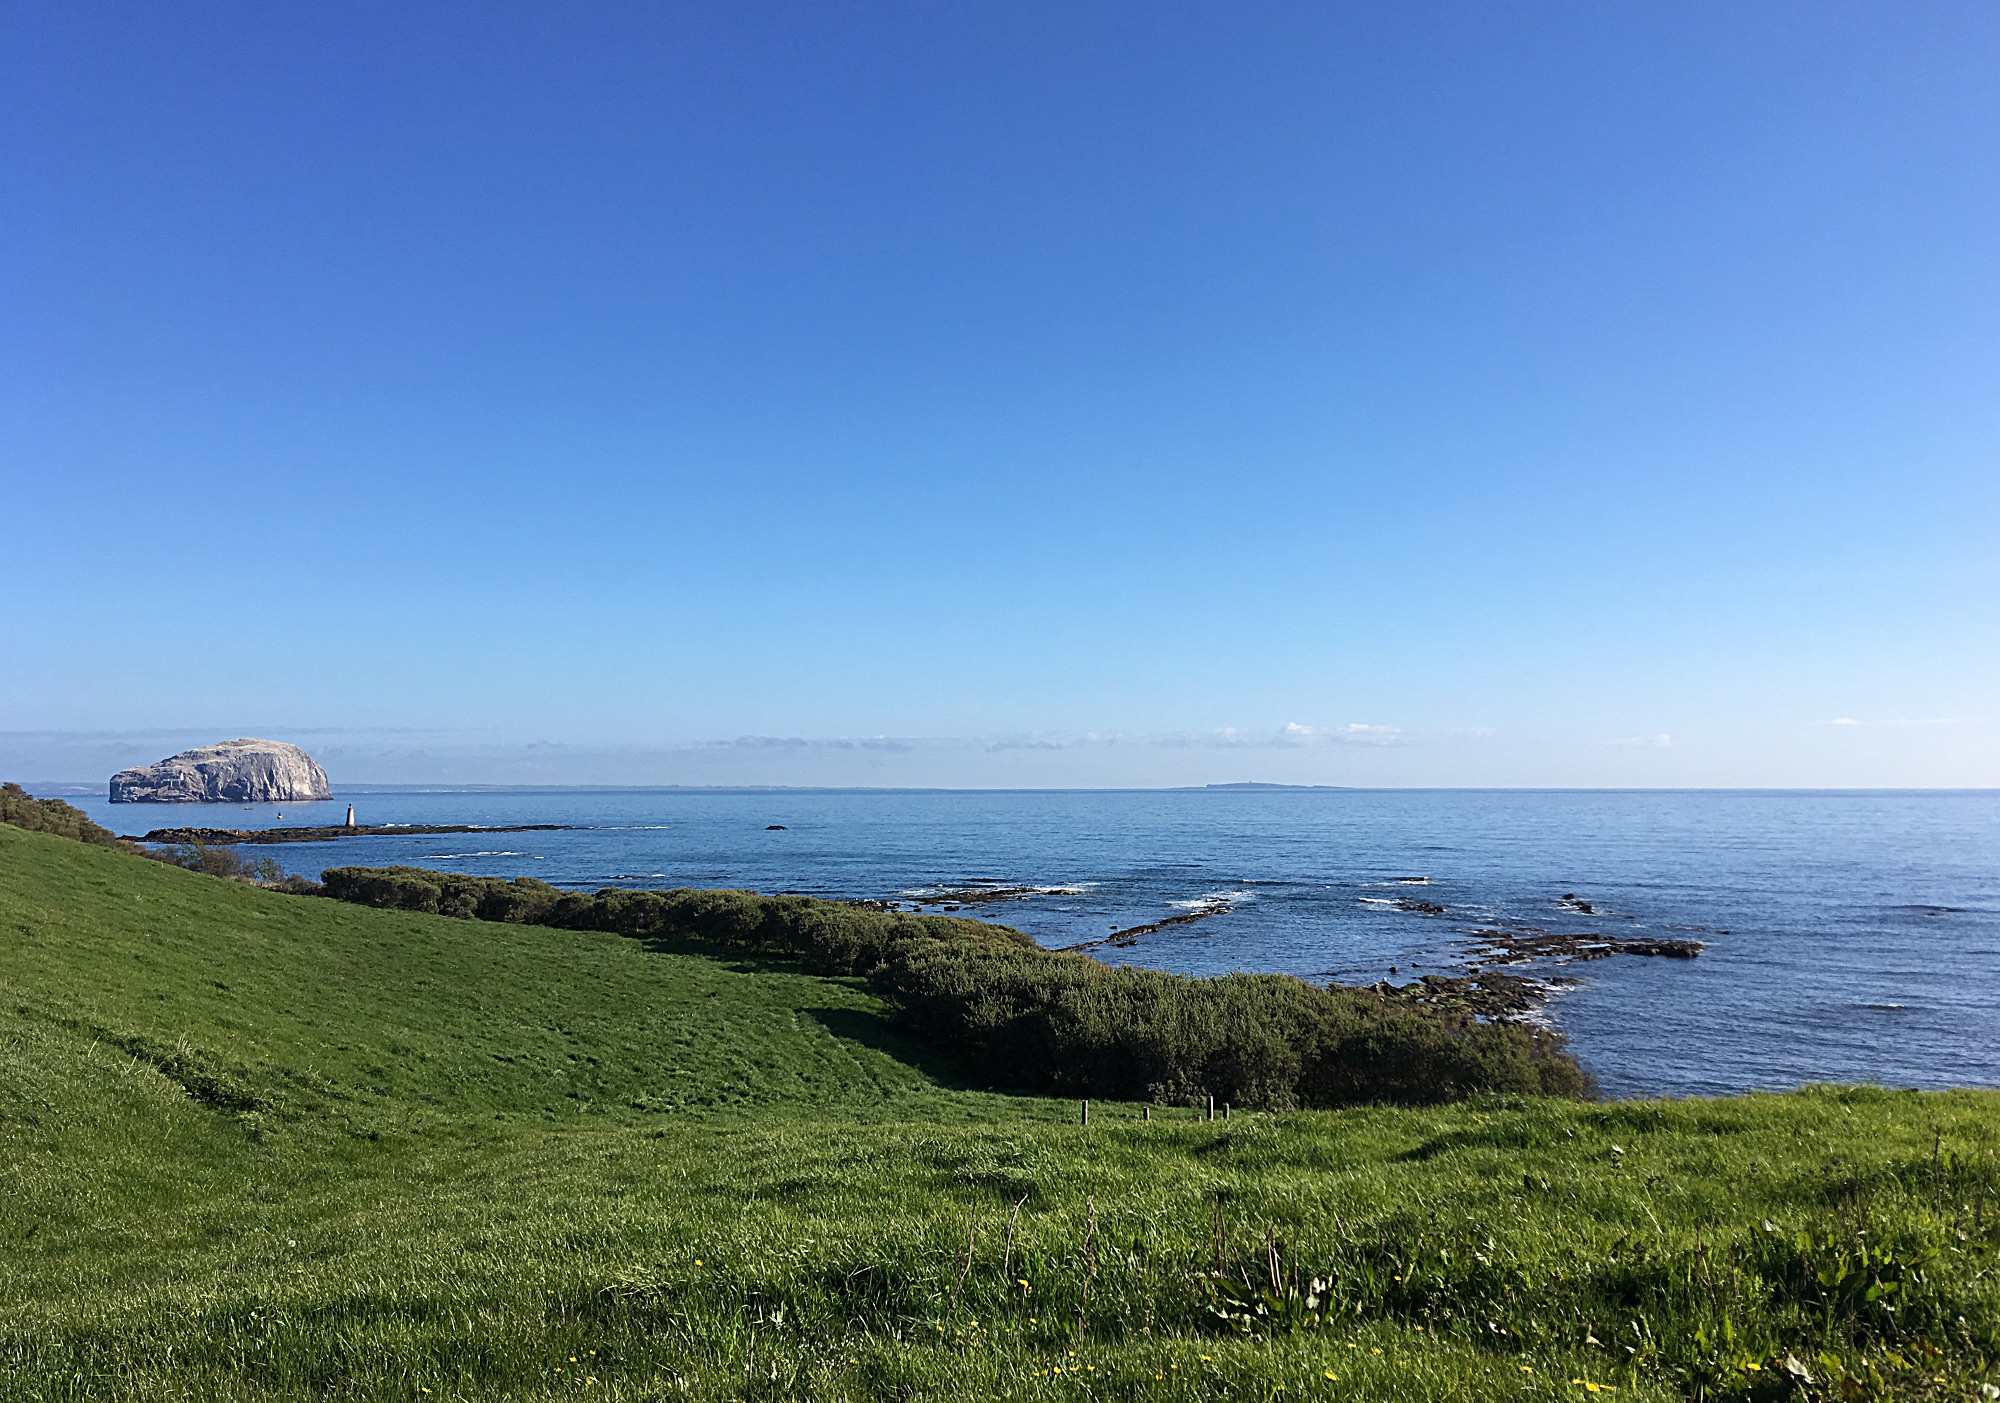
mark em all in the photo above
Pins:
pixel 1066 394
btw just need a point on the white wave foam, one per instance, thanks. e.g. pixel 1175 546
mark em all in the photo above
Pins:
pixel 1211 900
pixel 973 891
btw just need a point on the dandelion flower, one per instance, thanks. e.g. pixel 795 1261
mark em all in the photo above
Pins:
pixel 1330 1374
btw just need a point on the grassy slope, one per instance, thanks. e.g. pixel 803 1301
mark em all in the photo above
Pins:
pixel 255 1146
pixel 417 1011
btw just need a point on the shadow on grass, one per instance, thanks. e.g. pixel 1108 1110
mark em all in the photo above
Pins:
pixel 732 957
pixel 877 1032
pixel 874 1030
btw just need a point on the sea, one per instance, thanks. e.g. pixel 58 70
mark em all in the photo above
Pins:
pixel 1847 936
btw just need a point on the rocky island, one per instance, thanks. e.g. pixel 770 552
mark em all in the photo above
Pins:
pixel 243 771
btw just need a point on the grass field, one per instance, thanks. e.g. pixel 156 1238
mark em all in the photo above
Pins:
pixel 256 1146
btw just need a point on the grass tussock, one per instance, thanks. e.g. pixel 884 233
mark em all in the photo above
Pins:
pixel 254 1147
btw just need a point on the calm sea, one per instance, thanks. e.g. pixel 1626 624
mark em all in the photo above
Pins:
pixel 1851 936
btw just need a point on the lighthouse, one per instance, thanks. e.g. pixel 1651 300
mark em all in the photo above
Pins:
pixel 350 815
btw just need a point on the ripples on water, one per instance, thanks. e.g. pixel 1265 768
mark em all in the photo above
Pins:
pixel 1851 936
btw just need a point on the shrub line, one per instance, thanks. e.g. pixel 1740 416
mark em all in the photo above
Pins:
pixel 1031 1019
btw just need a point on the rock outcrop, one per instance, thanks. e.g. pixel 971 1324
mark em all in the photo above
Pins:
pixel 234 772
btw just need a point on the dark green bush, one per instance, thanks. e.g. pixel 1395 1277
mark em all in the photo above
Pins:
pixel 1073 1026
pixel 832 937
pixel 1033 1019
pixel 213 860
pixel 23 810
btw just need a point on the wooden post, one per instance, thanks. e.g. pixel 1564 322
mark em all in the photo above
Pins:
pixel 1211 1108
pixel 1225 1110
pixel 1147 1114
pixel 1086 1112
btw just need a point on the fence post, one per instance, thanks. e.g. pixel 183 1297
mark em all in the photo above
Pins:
pixel 1086 1111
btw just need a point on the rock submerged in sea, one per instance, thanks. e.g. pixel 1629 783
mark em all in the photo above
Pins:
pixel 245 771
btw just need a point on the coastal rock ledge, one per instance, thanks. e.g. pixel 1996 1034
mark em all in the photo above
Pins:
pixel 242 771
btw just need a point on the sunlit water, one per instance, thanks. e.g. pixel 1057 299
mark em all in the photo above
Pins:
pixel 1851 936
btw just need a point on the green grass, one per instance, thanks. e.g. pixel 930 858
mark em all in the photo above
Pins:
pixel 255 1146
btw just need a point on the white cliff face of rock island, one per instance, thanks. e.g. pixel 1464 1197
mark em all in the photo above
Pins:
pixel 245 771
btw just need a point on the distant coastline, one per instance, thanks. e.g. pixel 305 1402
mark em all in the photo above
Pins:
pixel 1261 784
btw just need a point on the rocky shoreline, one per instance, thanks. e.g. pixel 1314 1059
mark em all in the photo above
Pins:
pixel 230 837
pixel 1479 987
pixel 1508 947
pixel 1495 997
pixel 1131 934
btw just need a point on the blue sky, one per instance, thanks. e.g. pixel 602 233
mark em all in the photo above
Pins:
pixel 1028 394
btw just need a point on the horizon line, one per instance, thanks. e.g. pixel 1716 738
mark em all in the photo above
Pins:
pixel 78 788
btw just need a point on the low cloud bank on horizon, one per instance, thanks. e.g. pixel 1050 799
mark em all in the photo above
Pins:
pixel 1348 753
